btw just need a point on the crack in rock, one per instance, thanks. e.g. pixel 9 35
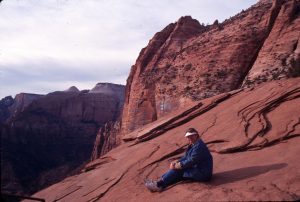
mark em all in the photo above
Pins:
pixel 99 187
pixel 261 115
pixel 107 190
pixel 292 195
pixel 67 194
pixel 212 125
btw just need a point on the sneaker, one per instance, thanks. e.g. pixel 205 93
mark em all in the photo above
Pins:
pixel 147 181
pixel 152 186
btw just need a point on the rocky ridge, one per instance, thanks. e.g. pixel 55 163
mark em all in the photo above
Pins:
pixel 179 67
pixel 10 107
pixel 109 89
pixel 5 103
pixel 72 89
pixel 279 57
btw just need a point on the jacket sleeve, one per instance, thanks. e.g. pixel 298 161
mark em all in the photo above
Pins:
pixel 182 158
pixel 192 159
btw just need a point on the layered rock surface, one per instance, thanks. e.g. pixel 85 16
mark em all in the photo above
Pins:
pixel 280 54
pixel 186 61
pixel 253 135
pixel 50 137
pixel 107 138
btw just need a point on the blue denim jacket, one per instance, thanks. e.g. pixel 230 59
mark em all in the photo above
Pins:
pixel 197 163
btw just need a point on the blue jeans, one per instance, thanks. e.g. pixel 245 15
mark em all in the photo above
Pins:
pixel 171 177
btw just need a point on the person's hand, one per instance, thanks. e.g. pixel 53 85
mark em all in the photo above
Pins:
pixel 175 165
pixel 172 164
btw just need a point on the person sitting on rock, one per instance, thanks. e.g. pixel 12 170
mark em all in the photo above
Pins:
pixel 196 165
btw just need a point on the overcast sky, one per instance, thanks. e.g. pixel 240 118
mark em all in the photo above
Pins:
pixel 49 45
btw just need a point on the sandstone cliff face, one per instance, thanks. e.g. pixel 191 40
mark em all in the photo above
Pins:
pixel 21 101
pixel 108 135
pixel 140 89
pixel 9 106
pixel 254 137
pixel 280 55
pixel 48 139
pixel 107 138
pixel 186 61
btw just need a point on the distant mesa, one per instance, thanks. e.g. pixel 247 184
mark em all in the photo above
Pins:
pixel 107 88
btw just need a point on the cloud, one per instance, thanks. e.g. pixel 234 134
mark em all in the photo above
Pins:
pixel 48 45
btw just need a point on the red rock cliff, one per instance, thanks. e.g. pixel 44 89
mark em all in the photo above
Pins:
pixel 279 57
pixel 186 62
pixel 107 138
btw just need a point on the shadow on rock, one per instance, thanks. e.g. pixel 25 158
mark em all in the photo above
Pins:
pixel 243 173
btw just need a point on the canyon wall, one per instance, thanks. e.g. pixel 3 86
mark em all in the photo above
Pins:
pixel 48 138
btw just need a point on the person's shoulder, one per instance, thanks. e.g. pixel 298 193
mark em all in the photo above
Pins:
pixel 199 143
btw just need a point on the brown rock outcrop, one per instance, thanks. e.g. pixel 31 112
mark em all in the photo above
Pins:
pixel 279 57
pixel 253 134
pixel 107 138
pixel 186 61
pixel 21 101
pixel 51 137
pixel 140 88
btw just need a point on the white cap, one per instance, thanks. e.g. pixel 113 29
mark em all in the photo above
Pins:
pixel 189 134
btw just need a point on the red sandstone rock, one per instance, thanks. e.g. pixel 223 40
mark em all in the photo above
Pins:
pixel 253 134
pixel 107 138
pixel 186 62
pixel 279 57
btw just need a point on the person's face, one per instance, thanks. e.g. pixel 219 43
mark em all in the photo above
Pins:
pixel 192 139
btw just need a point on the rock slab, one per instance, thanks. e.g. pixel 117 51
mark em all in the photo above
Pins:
pixel 253 135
